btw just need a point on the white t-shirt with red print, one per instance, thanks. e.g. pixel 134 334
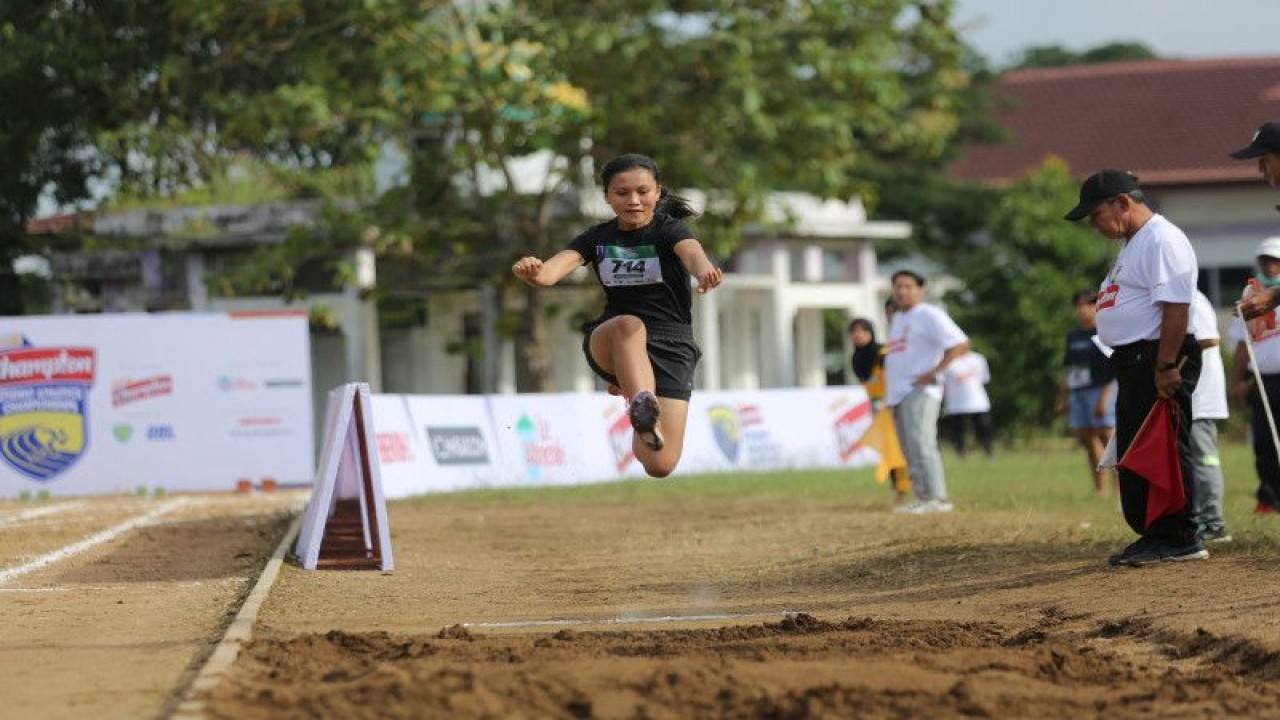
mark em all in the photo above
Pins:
pixel 917 339
pixel 1157 265
pixel 1266 340
pixel 964 385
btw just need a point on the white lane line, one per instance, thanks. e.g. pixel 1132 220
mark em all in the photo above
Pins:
pixel 96 539
pixel 38 512
pixel 237 633
pixel 99 588
pixel 629 619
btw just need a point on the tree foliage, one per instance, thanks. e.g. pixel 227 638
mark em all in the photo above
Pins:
pixel 1017 288
pixel 501 109
pixel 1047 56
pixel 152 96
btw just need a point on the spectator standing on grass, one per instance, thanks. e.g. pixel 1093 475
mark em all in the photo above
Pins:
pixel 642 344
pixel 1088 387
pixel 923 341
pixel 868 368
pixel 1143 316
pixel 1208 406
pixel 1265 334
pixel 867 359
pixel 1264 146
pixel 965 403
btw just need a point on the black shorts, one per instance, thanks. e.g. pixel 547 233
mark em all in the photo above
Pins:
pixel 672 351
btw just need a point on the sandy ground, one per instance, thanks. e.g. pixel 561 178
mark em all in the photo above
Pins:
pixel 744 607
pixel 110 605
pixel 758 607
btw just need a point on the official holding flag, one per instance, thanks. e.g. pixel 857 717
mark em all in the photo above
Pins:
pixel 1143 315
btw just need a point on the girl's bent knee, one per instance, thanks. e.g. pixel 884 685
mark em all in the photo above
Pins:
pixel 659 468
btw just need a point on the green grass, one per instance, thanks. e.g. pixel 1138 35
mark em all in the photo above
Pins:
pixel 1047 482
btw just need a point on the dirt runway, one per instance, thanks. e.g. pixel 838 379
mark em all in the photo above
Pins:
pixel 756 605
pixel 760 607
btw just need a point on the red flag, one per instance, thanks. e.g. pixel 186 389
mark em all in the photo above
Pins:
pixel 1153 454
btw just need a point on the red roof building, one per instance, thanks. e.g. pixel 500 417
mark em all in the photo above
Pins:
pixel 1171 122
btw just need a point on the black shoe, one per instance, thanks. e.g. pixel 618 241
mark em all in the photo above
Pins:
pixel 1159 552
pixel 1137 546
pixel 644 412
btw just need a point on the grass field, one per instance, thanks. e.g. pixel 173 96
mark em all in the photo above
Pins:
pixel 1047 477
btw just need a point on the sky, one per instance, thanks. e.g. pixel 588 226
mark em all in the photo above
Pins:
pixel 999 29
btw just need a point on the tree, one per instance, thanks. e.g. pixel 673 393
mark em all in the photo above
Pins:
pixel 1017 289
pixel 737 97
pixel 1048 56
pixel 153 96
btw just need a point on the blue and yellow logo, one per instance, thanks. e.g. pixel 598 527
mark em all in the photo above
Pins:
pixel 726 430
pixel 44 403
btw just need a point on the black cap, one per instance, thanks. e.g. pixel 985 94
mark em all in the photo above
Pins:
pixel 1266 139
pixel 1100 187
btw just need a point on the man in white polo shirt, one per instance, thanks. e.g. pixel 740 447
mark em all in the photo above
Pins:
pixel 923 340
pixel 1143 315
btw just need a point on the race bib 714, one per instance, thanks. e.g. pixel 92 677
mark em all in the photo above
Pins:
pixel 637 265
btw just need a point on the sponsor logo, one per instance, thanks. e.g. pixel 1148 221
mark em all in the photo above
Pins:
pixel 394 448
pixel 161 432
pixel 620 435
pixel 122 432
pixel 278 383
pixel 458 445
pixel 850 426
pixel 128 391
pixel 541 448
pixel 226 383
pixel 743 436
pixel 44 403
pixel 256 426
pixel 724 428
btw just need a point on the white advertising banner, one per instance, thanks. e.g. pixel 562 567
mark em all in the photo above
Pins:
pixel 401 450
pixel 458 446
pixel 112 403
pixel 777 429
pixel 453 442
pixel 544 441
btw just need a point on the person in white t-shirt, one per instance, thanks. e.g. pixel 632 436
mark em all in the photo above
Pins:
pixel 1263 148
pixel 1266 350
pixel 965 403
pixel 1143 316
pixel 923 341
pixel 1208 406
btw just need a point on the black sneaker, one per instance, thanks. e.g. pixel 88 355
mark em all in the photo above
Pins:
pixel 1158 552
pixel 1140 545
pixel 644 419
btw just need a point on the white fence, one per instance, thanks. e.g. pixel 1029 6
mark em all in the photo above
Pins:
pixel 432 443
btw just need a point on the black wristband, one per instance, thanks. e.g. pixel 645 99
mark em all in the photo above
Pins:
pixel 1161 367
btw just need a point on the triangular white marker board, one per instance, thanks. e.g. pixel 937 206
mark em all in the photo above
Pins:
pixel 345 522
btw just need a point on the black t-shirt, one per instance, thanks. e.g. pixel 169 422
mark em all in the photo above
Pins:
pixel 1085 363
pixel 639 269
